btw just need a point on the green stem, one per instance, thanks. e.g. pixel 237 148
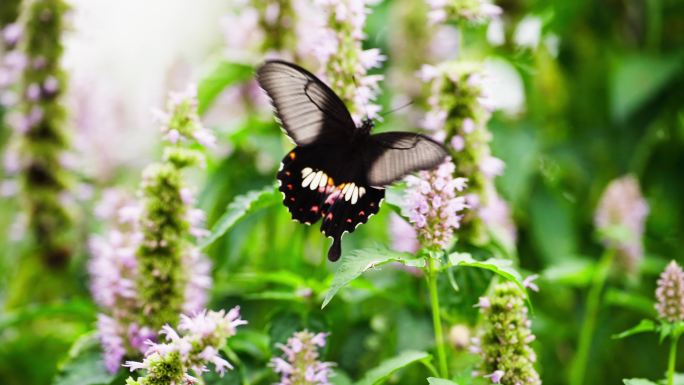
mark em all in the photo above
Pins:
pixel 590 316
pixel 672 359
pixel 436 317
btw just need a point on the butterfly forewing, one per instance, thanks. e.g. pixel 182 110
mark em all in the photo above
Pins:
pixel 391 156
pixel 308 110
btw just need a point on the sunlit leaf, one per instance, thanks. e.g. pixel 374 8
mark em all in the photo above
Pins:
pixel 84 365
pixel 502 267
pixel 340 378
pixel 638 381
pixel 440 381
pixel 380 373
pixel 221 75
pixel 572 271
pixel 352 266
pixel 240 207
pixel 644 326
pixel 74 309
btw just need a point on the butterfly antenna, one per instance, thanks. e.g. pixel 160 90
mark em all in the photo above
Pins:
pixel 396 109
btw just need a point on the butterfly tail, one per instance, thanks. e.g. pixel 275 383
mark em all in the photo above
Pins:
pixel 335 250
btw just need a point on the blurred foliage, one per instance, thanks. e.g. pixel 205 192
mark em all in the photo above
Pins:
pixel 605 99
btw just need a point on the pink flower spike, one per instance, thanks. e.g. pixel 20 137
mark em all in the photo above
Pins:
pixel 528 282
pixel 496 376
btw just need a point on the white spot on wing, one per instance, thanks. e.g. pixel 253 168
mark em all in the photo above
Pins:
pixel 306 171
pixel 316 180
pixel 350 190
pixel 355 195
pixel 362 192
pixel 308 180
pixel 324 181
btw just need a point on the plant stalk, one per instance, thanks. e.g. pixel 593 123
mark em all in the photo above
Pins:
pixel 590 316
pixel 672 359
pixel 436 318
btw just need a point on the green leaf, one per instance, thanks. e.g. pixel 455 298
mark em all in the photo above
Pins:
pixel 221 75
pixel 84 365
pixel 240 207
pixel 352 266
pixel 440 381
pixel 638 78
pixel 572 271
pixel 502 267
pixel 632 301
pixel 644 326
pixel 380 373
pixel 638 381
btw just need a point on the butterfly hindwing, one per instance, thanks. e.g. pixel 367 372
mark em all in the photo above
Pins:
pixel 348 206
pixel 296 176
pixel 314 186
pixel 308 110
pixel 390 156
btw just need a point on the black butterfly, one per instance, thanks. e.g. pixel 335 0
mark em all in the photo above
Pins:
pixel 338 170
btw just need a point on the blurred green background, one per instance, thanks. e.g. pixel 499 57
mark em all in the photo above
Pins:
pixel 603 97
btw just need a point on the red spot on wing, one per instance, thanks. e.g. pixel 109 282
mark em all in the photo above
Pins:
pixel 362 213
pixel 329 216
pixel 314 209
pixel 289 186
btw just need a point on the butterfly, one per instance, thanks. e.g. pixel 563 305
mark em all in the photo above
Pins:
pixel 338 171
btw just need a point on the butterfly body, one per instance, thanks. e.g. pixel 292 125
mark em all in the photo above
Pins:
pixel 338 170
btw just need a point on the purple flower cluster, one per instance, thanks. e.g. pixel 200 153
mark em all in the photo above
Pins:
pixel 339 51
pixel 434 206
pixel 457 115
pixel 620 217
pixel 180 121
pixel 118 279
pixel 670 293
pixel 12 62
pixel 300 363
pixel 474 10
pixel 196 344
pixel 113 271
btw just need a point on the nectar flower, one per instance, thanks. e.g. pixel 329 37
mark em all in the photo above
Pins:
pixel 620 217
pixel 434 206
pixel 473 10
pixel 196 345
pixel 456 115
pixel 300 363
pixel 147 270
pixel 670 293
pixel 345 62
pixel 504 339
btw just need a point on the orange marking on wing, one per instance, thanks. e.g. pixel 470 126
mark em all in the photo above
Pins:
pixel 288 173
pixel 292 155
